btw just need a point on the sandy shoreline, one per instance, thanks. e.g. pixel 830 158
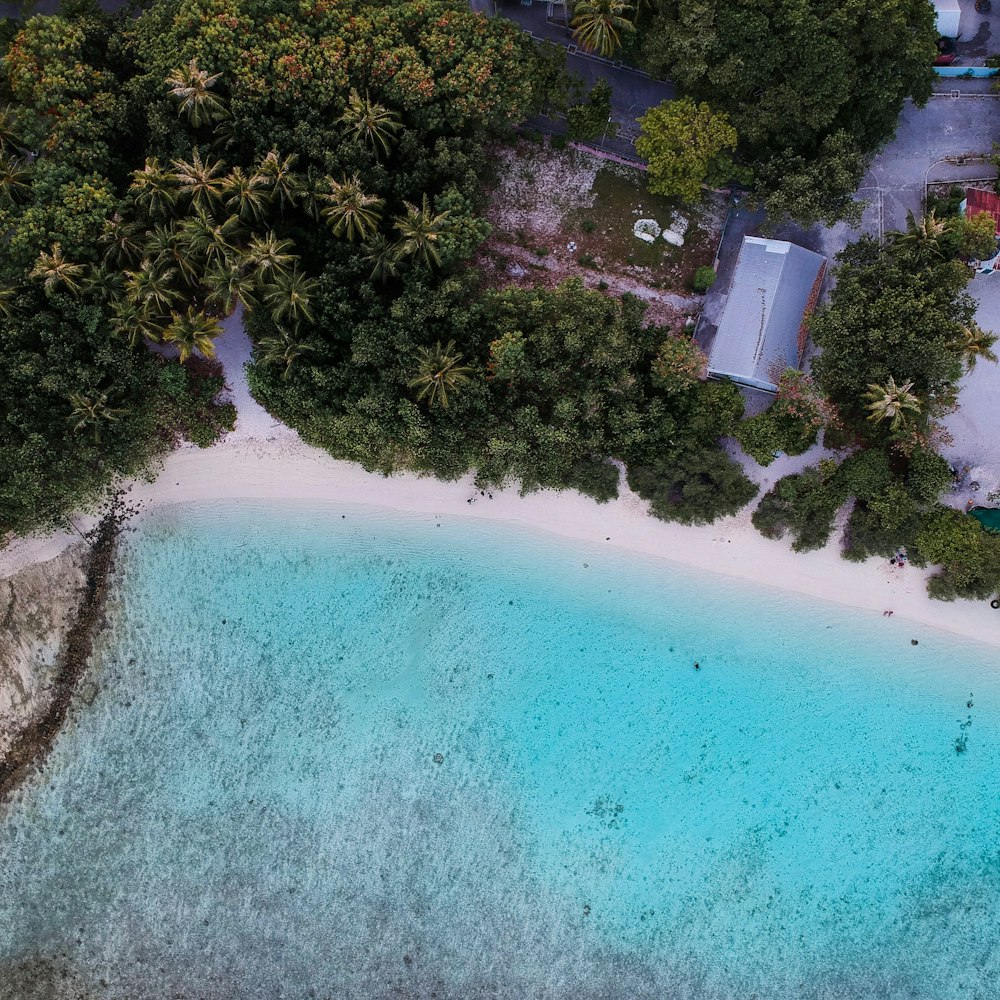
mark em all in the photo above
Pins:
pixel 279 467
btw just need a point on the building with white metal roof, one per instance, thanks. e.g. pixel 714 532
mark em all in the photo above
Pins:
pixel 774 287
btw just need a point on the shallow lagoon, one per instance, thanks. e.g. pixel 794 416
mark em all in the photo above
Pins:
pixel 342 753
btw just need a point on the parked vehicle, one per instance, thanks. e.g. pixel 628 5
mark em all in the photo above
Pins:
pixel 947 49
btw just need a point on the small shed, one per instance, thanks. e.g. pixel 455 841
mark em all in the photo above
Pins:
pixel 977 201
pixel 947 13
pixel 762 332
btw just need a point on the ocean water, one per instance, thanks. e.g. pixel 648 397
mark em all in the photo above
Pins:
pixel 337 753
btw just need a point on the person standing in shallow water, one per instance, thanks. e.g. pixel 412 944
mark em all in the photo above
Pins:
pixel 697 665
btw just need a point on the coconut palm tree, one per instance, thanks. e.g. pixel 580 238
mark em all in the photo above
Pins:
pixel 210 241
pixel 283 349
pixel 151 286
pixel 598 25
pixel 419 231
pixel 91 411
pixel 193 331
pixel 891 402
pixel 924 234
pixel 200 180
pixel 976 343
pixel 268 257
pixel 349 211
pixel 121 241
pixel 280 179
pixel 313 186
pixel 154 188
pixel 288 297
pixel 229 285
pixel 15 179
pixel 103 283
pixel 10 131
pixel 136 321
pixel 370 123
pixel 383 255
pixel 7 298
pixel 246 195
pixel 56 271
pixel 165 248
pixel 439 372
pixel 192 87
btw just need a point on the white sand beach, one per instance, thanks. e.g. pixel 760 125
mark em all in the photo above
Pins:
pixel 262 460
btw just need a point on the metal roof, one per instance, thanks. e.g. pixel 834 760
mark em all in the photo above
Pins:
pixel 758 335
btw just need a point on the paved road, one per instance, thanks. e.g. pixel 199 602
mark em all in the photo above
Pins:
pixel 946 127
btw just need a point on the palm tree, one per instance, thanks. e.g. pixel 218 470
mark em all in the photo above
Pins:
pixel 208 240
pixel 199 180
pixel 280 179
pixel 439 372
pixel 55 270
pixel 15 178
pixel 10 130
pixel 165 248
pixel 103 283
pixel 136 321
pixel 313 186
pixel 283 349
pixel 891 402
pixel 370 123
pixel 976 343
pixel 598 24
pixel 154 188
pixel 350 212
pixel 268 257
pixel 923 235
pixel 151 287
pixel 7 299
pixel 383 256
pixel 193 331
pixel 419 232
pixel 229 285
pixel 120 241
pixel 192 87
pixel 246 195
pixel 92 411
pixel 288 297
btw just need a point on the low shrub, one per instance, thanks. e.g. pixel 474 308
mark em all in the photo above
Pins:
pixel 703 279
pixel 695 488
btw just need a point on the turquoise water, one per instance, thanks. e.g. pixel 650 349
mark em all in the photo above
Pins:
pixel 334 754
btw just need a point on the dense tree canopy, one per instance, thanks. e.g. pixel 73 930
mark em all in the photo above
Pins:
pixel 811 86
pixel 319 167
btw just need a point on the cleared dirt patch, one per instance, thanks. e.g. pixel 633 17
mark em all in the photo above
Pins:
pixel 564 213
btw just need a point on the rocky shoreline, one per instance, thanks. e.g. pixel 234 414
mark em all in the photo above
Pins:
pixel 50 615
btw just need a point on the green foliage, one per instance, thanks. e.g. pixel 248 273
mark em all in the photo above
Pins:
pixel 804 505
pixel 791 424
pixel 679 364
pixel 978 236
pixel 812 89
pixel 704 278
pixel 694 487
pixel 593 119
pixel 686 144
pixel 969 556
pixel 895 312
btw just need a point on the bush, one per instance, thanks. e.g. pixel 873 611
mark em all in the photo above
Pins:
pixel 804 505
pixel 969 556
pixel 594 477
pixel 704 277
pixel 695 488
pixel 592 120
pixel 761 436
